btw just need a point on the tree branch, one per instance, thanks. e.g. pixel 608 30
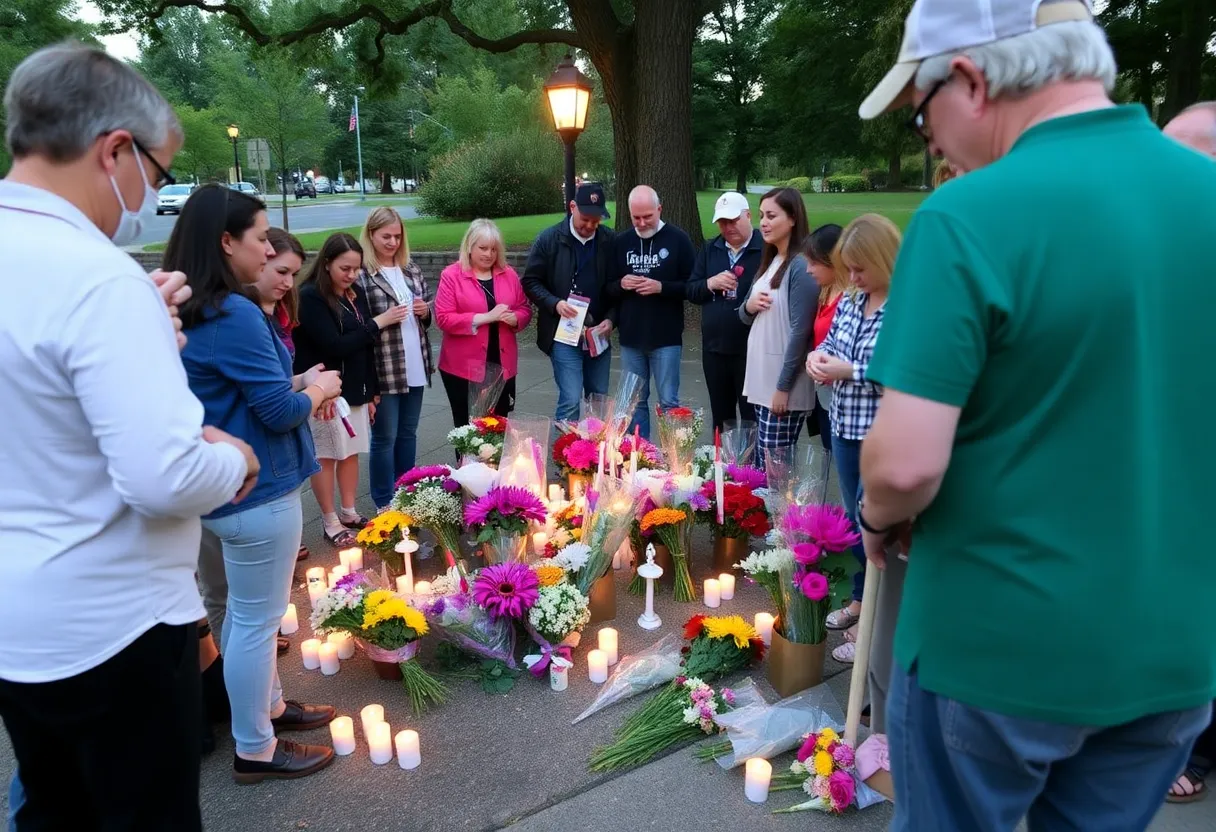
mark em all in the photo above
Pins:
pixel 565 36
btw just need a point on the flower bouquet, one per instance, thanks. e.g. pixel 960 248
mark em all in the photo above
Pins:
pixel 560 612
pixel 703 462
pixel 764 568
pixel 648 453
pixel 739 442
pixel 461 622
pixel 506 590
pixel 430 495
pixel 685 708
pixel 654 666
pixel 386 627
pixel 824 769
pixel 567 528
pixel 523 453
pixel 576 459
pixel 616 505
pixel 744 515
pixel 669 525
pixel 679 430
pixel 500 520
pixel 482 439
pixel 382 535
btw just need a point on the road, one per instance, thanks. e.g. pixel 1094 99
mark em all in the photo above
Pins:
pixel 303 216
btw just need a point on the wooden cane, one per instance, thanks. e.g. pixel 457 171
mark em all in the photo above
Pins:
pixel 861 658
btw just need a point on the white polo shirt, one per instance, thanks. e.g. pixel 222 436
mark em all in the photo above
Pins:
pixel 103 470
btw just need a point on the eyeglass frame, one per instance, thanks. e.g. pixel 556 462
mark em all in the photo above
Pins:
pixel 917 122
pixel 163 177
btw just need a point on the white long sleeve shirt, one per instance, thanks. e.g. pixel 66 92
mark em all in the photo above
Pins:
pixel 103 469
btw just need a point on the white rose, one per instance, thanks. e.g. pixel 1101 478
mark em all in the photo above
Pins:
pixel 487 451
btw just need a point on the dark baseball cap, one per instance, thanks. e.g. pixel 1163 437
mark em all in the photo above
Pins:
pixel 590 200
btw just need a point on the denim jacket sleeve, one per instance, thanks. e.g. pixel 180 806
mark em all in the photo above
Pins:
pixel 245 353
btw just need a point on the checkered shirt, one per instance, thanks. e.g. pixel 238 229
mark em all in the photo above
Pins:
pixel 776 431
pixel 852 338
pixel 390 350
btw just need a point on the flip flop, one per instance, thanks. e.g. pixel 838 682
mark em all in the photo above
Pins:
pixel 842 619
pixel 1194 781
pixel 342 540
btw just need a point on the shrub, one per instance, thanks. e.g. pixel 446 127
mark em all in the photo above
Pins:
pixel 847 183
pixel 802 184
pixel 503 175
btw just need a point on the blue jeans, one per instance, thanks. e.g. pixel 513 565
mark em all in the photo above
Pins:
pixel 394 446
pixel 961 768
pixel 260 547
pixel 577 375
pixel 847 453
pixel 16 799
pixel 664 364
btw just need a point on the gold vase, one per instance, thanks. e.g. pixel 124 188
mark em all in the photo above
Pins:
pixel 728 551
pixel 603 598
pixel 793 667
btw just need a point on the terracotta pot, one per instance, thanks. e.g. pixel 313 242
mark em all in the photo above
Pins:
pixel 603 599
pixel 793 667
pixel 389 671
pixel 728 551
pixel 577 485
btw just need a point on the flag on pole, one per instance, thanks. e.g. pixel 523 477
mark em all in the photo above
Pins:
pixel 354 120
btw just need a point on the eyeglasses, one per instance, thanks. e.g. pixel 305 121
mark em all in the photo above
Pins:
pixel 163 177
pixel 917 123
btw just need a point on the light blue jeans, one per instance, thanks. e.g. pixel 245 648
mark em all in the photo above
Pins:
pixel 260 547
pixel 577 375
pixel 394 446
pixel 664 364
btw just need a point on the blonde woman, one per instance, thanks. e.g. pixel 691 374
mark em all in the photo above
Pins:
pixel 944 172
pixel 480 306
pixel 866 253
pixel 403 352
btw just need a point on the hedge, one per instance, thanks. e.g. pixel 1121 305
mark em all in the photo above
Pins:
pixel 504 175
pixel 847 183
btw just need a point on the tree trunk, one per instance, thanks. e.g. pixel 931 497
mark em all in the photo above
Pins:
pixel 1185 62
pixel 283 188
pixel 895 167
pixel 386 182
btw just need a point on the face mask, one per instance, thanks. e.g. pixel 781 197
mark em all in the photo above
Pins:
pixel 132 223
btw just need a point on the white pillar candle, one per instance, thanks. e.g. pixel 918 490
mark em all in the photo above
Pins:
pixel 343 643
pixel 342 732
pixel 317 590
pixel 340 571
pixel 608 643
pixel 726 584
pixel 405 586
pixel 380 743
pixel 764 626
pixel 289 623
pixel 409 755
pixel 539 541
pixel 597 666
pixel 555 493
pixel 369 716
pixel 328 654
pixel 713 593
pixel 352 559
pixel 310 652
pixel 759 773
pixel 315 575
pixel 422 588
pixel 559 676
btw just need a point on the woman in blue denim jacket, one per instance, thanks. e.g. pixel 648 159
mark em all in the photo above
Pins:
pixel 241 372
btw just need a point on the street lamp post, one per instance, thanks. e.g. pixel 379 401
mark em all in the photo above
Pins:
pixel 568 92
pixel 234 132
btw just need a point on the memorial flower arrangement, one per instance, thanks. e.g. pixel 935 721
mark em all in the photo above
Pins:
pixel 575 455
pixel 504 510
pixel 824 769
pixel 382 535
pixel 572 557
pixel 764 568
pixel 560 609
pixel 813 532
pixel 717 646
pixel 567 528
pixel 506 590
pixel 679 430
pixel 668 524
pixel 744 514
pixel 753 478
pixel 615 507
pixel 430 495
pixel 480 439
pixel 649 455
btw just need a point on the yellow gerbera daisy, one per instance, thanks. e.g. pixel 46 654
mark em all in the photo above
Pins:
pixel 382 605
pixel 730 625
pixel 549 575
pixel 826 737
pixel 823 763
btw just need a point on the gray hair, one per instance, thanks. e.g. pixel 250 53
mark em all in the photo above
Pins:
pixel 61 98
pixel 1067 51
pixel 645 192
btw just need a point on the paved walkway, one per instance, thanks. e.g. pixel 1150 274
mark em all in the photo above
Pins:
pixel 514 760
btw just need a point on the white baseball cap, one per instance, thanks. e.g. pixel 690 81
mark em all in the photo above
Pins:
pixel 939 27
pixel 730 206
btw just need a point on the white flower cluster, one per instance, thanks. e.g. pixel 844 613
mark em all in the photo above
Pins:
pixel 559 611
pixel 431 506
pixel 447 583
pixel 703 707
pixel 770 560
pixel 461 433
pixel 573 557
pixel 703 461
pixel 331 602
pixel 560 538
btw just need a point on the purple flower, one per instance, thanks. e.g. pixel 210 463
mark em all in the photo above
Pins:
pixel 841 788
pixel 843 755
pixel 828 526
pixel 698 502
pixel 348 582
pixel 728 696
pixel 808 554
pixel 505 502
pixel 813 585
pixel 746 475
pixel 506 590
pixel 451 486
pixel 423 472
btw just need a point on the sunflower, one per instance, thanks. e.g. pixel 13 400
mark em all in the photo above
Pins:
pixel 662 517
pixel 731 625
pixel 549 575
pixel 391 520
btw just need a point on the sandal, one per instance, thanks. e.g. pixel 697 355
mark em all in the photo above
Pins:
pixel 850 635
pixel 842 619
pixel 358 523
pixel 342 540
pixel 1188 788
pixel 845 653
pixel 302 553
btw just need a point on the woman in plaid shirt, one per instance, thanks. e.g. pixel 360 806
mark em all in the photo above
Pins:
pixel 866 252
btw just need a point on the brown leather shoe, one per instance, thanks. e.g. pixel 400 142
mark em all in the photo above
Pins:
pixel 282 645
pixel 299 717
pixel 291 760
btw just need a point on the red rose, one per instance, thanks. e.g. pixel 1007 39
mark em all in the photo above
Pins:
pixel 693 628
pixel 738 270
pixel 680 412
pixel 559 447
pixel 757 649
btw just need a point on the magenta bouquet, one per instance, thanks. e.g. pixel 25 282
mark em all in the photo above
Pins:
pixel 812 532
pixel 506 590
pixel 501 518
pixel 430 496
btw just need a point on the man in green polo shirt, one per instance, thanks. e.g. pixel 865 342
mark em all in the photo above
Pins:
pixel 1046 357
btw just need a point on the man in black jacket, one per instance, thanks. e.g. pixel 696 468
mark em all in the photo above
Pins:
pixel 721 280
pixel 568 269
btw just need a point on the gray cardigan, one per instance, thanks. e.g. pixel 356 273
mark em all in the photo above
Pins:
pixel 803 305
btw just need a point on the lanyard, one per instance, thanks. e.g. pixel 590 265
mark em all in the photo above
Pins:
pixel 489 293
pixel 349 304
pixel 583 258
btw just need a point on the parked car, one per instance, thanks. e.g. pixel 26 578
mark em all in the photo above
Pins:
pixel 339 187
pixel 323 185
pixel 171 198
pixel 246 188
pixel 306 188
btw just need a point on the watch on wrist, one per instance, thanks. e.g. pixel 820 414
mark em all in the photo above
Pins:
pixel 861 521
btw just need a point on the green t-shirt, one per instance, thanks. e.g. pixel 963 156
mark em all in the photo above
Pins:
pixel 1063 298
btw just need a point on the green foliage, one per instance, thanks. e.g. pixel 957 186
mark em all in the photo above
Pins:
pixel 847 183
pixel 175 55
pixel 207 153
pixel 802 184
pixel 503 175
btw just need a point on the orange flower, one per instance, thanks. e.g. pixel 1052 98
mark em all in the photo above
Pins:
pixel 662 517
pixel 549 575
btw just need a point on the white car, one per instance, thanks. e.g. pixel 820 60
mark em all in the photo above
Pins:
pixel 171 198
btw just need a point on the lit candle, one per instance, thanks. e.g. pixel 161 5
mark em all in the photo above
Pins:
pixel 539 541
pixel 713 593
pixel 608 644
pixel 328 654
pixel 342 732
pixel 369 716
pixel 409 755
pixel 289 623
pixel 380 743
pixel 422 588
pixel 341 570
pixel 343 643
pixel 344 557
pixel 597 666
pixel 317 591
pixel 310 652
pixel 315 575
pixel 764 626
pixel 405 586
pixel 352 559
pixel 759 773
pixel 727 582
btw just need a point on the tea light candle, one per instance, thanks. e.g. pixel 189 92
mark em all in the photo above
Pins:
pixel 380 743
pixel 328 654
pixel 310 651
pixel 315 575
pixel 597 666
pixel 342 731
pixel 759 773
pixel 317 590
pixel 422 588
pixel 539 541
pixel 726 582
pixel 343 643
pixel 764 626
pixel 405 586
pixel 713 593
pixel 409 755
pixel 289 623
pixel 369 716
pixel 608 644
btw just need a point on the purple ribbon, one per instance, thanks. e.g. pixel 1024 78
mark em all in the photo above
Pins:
pixel 547 653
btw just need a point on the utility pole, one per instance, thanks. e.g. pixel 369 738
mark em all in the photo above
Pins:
pixel 359 145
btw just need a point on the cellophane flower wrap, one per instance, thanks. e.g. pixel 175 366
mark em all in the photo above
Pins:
pixel 382 534
pixel 386 627
pixel 812 533
pixel 616 505
pixel 703 462
pixel 567 528
pixel 717 646
pixel 460 621
pixel 764 568
pixel 430 496
pixel 825 769
pixel 649 455
pixel 744 515
pixel 481 439
pixel 679 431
pixel 739 444
pixel 502 517
pixel 679 500
pixel 524 451
pixel 657 665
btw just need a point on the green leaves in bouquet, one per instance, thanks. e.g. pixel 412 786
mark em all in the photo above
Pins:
pixel 496 677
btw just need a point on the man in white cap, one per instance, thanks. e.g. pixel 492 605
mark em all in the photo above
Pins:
pixel 722 274
pixel 1046 359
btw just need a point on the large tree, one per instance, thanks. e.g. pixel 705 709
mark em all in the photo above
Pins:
pixel 641 49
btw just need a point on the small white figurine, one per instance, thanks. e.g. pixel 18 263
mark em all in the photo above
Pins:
pixel 651 571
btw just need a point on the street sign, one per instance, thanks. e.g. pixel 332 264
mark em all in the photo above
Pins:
pixel 259 154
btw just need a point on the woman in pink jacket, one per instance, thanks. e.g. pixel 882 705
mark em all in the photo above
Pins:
pixel 480 305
